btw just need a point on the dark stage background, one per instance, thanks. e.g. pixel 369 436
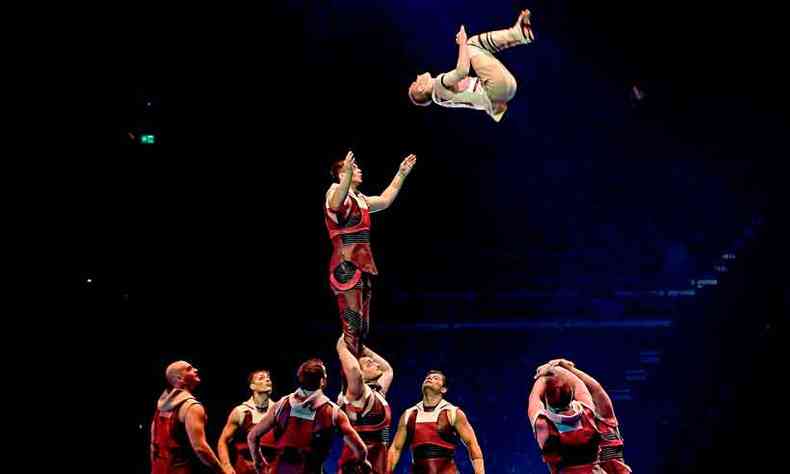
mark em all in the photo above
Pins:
pixel 640 237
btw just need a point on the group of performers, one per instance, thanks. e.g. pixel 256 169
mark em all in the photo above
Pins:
pixel 571 415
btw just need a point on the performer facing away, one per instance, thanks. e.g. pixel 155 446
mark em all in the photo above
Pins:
pixel 564 427
pixel 610 453
pixel 304 423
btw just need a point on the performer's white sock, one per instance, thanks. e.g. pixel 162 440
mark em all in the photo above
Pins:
pixel 496 41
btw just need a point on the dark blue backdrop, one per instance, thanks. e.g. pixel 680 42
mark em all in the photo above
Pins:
pixel 631 236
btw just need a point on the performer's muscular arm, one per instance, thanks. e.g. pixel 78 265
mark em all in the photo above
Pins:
pixel 255 434
pixel 386 378
pixel 461 70
pixel 533 408
pixel 385 200
pixel 194 419
pixel 351 437
pixel 227 435
pixel 337 197
pixel 603 404
pixel 535 403
pixel 393 454
pixel 467 434
pixel 351 370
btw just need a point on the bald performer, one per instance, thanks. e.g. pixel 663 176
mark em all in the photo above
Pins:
pixel 178 437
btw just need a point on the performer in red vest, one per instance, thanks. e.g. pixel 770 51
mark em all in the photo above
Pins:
pixel 178 437
pixel 241 420
pixel 565 428
pixel 347 215
pixel 610 455
pixel 432 429
pixel 365 403
pixel 304 423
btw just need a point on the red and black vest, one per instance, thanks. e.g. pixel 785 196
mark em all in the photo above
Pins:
pixel 243 461
pixel 303 432
pixel 172 450
pixel 432 433
pixel 610 454
pixel 573 441
pixel 349 230
pixel 371 417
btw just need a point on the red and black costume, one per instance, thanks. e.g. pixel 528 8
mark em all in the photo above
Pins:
pixel 573 440
pixel 351 266
pixel 432 438
pixel 610 454
pixel 172 451
pixel 371 417
pixel 250 415
pixel 304 426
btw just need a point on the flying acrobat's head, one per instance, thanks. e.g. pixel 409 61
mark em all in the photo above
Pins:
pixel 421 89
